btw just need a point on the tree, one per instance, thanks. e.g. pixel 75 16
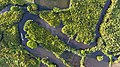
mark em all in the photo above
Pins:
pixel 19 2
pixel 99 58
pixel 55 9
pixel 32 8
pixel 31 44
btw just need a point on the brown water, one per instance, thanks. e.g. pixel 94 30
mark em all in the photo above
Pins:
pixel 50 4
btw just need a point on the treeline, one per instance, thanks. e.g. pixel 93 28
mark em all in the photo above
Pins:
pixel 81 19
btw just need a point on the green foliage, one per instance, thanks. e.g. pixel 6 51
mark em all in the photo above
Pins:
pixel 52 18
pixel 99 58
pixel 82 14
pixel 19 2
pixel 55 9
pixel 12 53
pixel 44 37
pixel 3 3
pixel 7 19
pixel 31 44
pixel 70 30
pixel 32 8
pixel 110 29
pixel 47 62
pixel 118 60
pixel 64 61
pixel 15 8
pixel 82 61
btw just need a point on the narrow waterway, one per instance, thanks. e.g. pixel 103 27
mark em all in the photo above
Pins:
pixel 92 56
pixel 57 31
pixel 104 10
pixel 39 52
pixel 7 8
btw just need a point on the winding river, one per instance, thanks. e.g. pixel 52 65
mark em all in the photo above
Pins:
pixel 41 52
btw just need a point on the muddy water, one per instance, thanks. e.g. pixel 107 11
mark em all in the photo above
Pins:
pixel 50 4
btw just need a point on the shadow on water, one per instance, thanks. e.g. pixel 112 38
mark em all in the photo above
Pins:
pixel 42 8
pixel 71 58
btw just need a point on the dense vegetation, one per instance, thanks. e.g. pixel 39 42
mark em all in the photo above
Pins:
pixel 43 37
pixel 32 8
pixel 110 31
pixel 12 53
pixel 4 3
pixel 9 18
pixel 81 19
pixel 40 35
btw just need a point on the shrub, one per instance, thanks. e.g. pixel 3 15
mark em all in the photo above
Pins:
pixel 100 58
pixel 31 44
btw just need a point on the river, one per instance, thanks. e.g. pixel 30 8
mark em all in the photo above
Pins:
pixel 41 52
